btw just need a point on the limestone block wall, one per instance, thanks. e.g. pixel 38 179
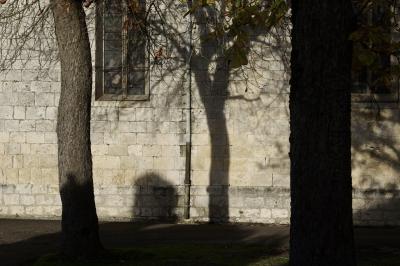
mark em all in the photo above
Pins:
pixel 239 134
pixel 375 163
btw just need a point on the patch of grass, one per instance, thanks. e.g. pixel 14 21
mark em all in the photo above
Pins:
pixel 205 255
pixel 179 255
pixel 376 258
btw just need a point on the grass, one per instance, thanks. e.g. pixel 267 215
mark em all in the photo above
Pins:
pixel 204 255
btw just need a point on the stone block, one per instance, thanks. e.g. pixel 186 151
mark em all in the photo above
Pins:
pixel 152 150
pixel 53 190
pixel 99 149
pixel 4 137
pixel 4 210
pixel 128 162
pixel 51 113
pixel 266 213
pixel 128 138
pixel 13 148
pixel 117 150
pixel 145 163
pixel 19 112
pixel 17 137
pixel 100 126
pixel 179 163
pixel 48 161
pixel 44 149
pixel 169 139
pixel 107 162
pixel 45 125
pixel 127 114
pixel 17 161
pixel 24 98
pixel 27 200
pixel 44 99
pixel 40 86
pixel 280 213
pixel 281 180
pixel 97 138
pixel 112 138
pixel 37 177
pixel 138 127
pixel 35 137
pixel 50 137
pixel 39 189
pixel 11 199
pixel 23 189
pixel 135 150
pixel 254 202
pixel 144 114
pixel 201 201
pixel 8 188
pixel 26 125
pixel 35 113
pixel 24 175
pixel 13 75
pixel 164 163
pixel 251 213
pixel 146 139
pixel 17 211
pixel 12 125
pixel 35 211
pixel 107 212
pixel 173 151
pixel 57 199
pixel 49 211
pixel 44 199
pixel 200 178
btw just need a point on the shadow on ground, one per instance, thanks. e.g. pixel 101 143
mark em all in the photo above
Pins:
pixel 32 239
pixel 22 241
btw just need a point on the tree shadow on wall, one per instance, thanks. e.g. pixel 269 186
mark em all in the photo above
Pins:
pixel 376 165
pixel 212 76
pixel 213 91
pixel 155 199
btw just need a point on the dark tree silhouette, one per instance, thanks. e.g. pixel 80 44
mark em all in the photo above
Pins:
pixel 321 193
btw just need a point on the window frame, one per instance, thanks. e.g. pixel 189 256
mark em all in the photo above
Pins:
pixel 100 94
pixel 387 99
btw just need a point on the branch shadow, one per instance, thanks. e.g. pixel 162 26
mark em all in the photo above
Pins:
pixel 376 165
pixel 213 91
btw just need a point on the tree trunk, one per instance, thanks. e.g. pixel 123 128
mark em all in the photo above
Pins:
pixel 80 237
pixel 321 192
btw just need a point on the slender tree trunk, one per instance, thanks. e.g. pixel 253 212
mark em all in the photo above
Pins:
pixel 321 192
pixel 80 237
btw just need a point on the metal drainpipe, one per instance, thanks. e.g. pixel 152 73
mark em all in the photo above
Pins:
pixel 188 170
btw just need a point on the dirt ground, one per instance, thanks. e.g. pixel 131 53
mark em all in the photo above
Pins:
pixel 21 241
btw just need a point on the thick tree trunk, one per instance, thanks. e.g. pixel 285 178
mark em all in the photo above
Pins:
pixel 80 237
pixel 321 192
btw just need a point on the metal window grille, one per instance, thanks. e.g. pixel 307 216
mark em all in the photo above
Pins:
pixel 122 64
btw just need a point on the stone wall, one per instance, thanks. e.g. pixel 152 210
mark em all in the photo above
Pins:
pixel 239 133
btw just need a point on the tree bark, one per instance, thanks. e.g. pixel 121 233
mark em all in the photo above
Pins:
pixel 321 192
pixel 80 237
